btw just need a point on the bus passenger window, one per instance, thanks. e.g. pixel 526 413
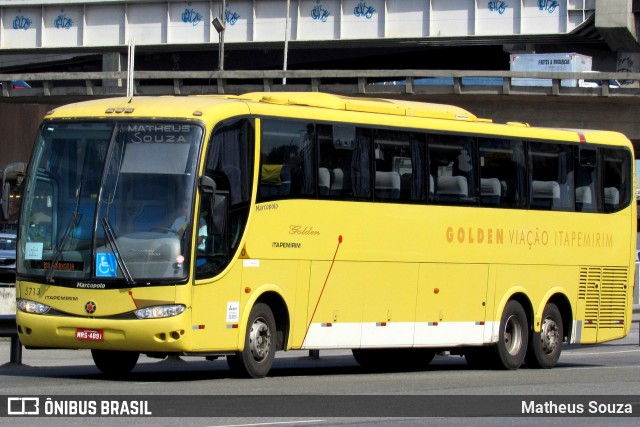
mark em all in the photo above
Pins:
pixel 585 180
pixel 502 172
pixel 287 159
pixel 330 176
pixel 400 165
pixel 361 164
pixel 616 182
pixel 452 164
pixel 551 176
pixel 345 151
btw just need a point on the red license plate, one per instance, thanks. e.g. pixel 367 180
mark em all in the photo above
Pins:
pixel 90 334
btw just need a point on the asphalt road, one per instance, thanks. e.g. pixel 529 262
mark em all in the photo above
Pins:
pixel 332 381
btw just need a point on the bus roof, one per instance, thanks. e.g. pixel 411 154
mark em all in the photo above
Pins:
pixel 363 105
pixel 204 106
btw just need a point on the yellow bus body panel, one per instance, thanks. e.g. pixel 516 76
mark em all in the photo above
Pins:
pixel 356 274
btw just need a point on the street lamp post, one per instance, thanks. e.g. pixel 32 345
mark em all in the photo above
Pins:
pixel 219 25
pixel 286 42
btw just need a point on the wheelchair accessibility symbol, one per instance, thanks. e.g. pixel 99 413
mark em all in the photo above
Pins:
pixel 105 265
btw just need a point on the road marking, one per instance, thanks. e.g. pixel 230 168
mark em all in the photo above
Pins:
pixel 580 353
pixel 598 367
pixel 279 423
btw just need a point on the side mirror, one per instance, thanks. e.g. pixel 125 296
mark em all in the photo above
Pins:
pixel 6 189
pixel 207 185
pixel 12 174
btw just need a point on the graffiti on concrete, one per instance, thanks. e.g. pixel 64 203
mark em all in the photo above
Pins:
pixel 318 13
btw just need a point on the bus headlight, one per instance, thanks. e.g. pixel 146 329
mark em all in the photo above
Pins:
pixel 159 311
pixel 32 307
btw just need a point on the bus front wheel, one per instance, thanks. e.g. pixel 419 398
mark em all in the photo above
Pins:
pixel 514 336
pixel 256 359
pixel 545 346
pixel 115 363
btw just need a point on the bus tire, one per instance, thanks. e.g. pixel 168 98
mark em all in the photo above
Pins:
pixel 256 359
pixel 115 363
pixel 545 346
pixel 513 337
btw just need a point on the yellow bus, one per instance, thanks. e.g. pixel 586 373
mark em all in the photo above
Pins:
pixel 238 226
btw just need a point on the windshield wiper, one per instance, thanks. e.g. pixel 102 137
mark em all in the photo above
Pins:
pixel 57 251
pixel 75 217
pixel 111 237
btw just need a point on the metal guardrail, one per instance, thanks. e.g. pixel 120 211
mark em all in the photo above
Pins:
pixel 363 82
pixel 9 329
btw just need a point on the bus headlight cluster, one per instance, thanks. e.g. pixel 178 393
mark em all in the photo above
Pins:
pixel 159 311
pixel 32 307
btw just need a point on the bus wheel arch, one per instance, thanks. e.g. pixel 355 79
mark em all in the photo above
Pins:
pixel 562 302
pixel 266 330
pixel 281 316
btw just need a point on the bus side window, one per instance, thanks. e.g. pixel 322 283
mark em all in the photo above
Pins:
pixel 452 163
pixel 400 166
pixel 345 151
pixel 502 172
pixel 587 198
pixel 287 159
pixel 551 176
pixel 616 182
pixel 361 165
pixel 326 160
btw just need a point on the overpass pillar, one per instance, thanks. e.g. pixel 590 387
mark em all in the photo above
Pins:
pixel 113 61
pixel 616 22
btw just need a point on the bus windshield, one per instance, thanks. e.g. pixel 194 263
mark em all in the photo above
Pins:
pixel 109 202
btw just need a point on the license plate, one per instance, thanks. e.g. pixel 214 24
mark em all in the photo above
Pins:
pixel 90 334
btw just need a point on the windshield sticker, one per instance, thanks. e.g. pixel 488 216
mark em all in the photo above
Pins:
pixel 105 265
pixel 33 250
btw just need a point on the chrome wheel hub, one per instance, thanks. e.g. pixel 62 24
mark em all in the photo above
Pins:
pixel 259 339
pixel 513 335
pixel 549 336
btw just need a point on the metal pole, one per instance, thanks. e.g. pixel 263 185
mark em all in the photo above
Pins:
pixel 223 11
pixel 16 351
pixel 286 42
pixel 131 67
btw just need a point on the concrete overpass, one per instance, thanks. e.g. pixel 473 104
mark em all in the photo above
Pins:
pixel 329 34
pixel 599 107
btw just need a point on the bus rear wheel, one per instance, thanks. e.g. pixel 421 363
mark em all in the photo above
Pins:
pixel 514 337
pixel 545 346
pixel 115 363
pixel 256 359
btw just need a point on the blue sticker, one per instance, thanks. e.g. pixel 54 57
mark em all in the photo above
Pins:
pixel 106 265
